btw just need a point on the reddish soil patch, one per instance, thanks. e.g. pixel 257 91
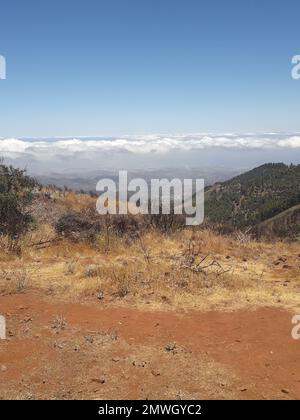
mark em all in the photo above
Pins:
pixel 104 352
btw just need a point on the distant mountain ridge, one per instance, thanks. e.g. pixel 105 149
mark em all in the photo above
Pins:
pixel 255 197
pixel 87 180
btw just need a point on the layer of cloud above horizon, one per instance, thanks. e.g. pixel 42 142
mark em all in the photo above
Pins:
pixel 87 147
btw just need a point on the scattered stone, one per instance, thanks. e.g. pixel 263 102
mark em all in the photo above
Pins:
pixel 139 364
pixel 99 380
pixel 100 296
pixel 155 373
pixel 89 338
pixel 59 324
pixel 58 345
pixel 171 347
pixel 3 368
pixel 27 319
pixel 166 299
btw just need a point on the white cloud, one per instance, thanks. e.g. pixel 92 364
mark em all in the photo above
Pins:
pixel 291 142
pixel 148 144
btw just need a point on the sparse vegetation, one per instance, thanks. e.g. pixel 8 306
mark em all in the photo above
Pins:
pixel 77 227
pixel 16 193
pixel 87 288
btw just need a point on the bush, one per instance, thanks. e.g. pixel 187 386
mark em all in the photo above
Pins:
pixel 123 224
pixel 16 193
pixel 167 223
pixel 77 226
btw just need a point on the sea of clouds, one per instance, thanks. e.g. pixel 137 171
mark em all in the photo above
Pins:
pixel 67 147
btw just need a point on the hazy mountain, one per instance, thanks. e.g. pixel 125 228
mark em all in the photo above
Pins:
pixel 87 180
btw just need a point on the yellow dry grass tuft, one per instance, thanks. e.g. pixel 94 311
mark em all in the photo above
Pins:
pixel 190 269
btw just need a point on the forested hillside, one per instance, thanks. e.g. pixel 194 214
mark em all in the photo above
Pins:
pixel 253 197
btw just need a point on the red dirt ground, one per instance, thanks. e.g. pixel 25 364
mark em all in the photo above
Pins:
pixel 112 353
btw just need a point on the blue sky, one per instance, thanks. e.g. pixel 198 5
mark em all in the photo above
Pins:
pixel 112 67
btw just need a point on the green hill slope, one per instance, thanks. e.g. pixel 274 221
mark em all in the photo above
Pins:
pixel 253 197
pixel 286 223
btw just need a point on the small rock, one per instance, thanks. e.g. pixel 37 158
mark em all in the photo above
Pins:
pixel 139 364
pixel 166 299
pixel 100 296
pixel 99 380
pixel 171 347
pixel 285 391
pixel 27 319
pixel 155 373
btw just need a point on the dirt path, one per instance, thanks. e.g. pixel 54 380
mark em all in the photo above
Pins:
pixel 72 350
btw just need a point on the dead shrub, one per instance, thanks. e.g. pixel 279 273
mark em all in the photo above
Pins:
pixel 122 285
pixel 167 223
pixel 76 226
pixel 71 266
pixel 14 281
pixel 124 225
pixel 243 237
pixel 91 270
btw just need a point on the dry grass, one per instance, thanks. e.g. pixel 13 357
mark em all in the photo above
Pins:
pixel 195 269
